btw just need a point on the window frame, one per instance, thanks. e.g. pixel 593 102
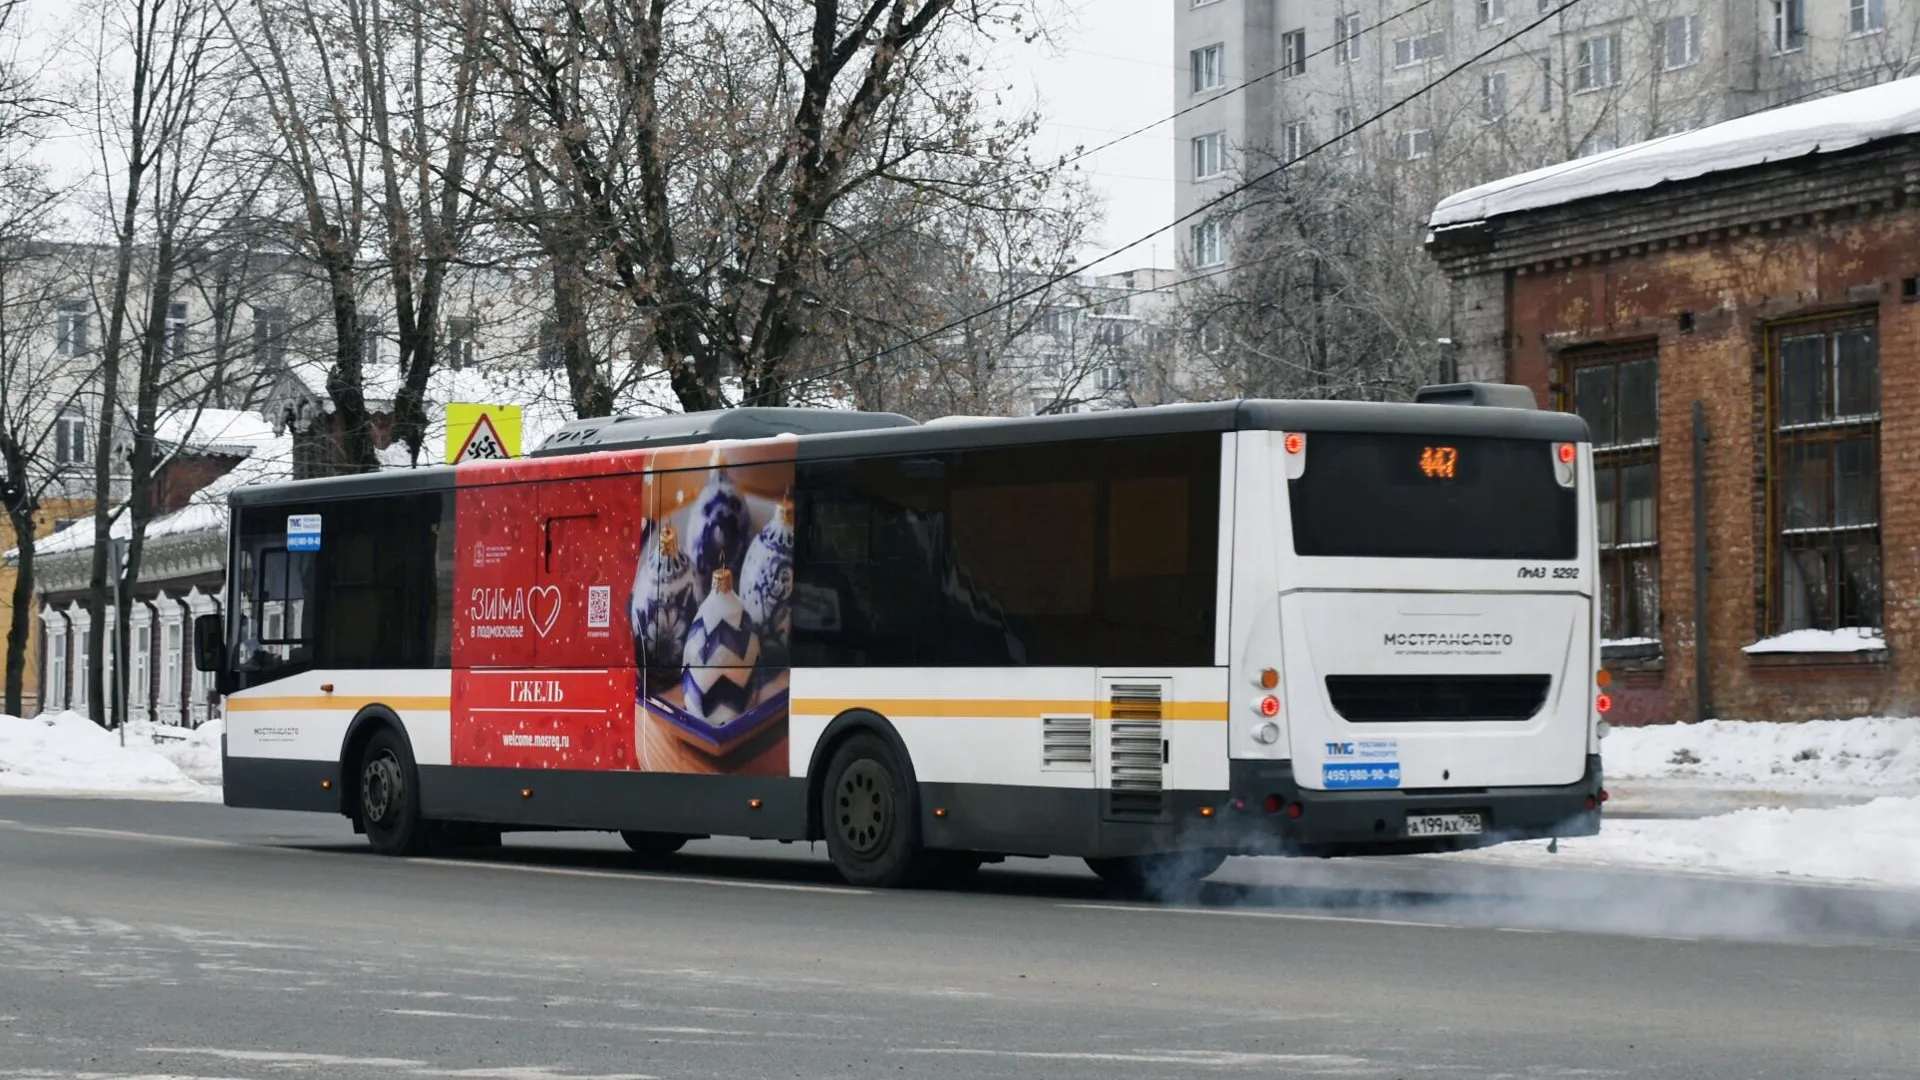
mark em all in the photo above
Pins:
pixel 1419 49
pixel 1207 78
pixel 1834 430
pixel 1617 558
pixel 1209 149
pixel 70 436
pixel 55 698
pixel 1490 12
pixel 1590 77
pixel 1293 53
pixel 1296 138
pixel 1871 17
pixel 1789 26
pixel 1409 148
pixel 1214 230
pixel 1691 53
pixel 72 322
pixel 1347 32
pixel 1492 110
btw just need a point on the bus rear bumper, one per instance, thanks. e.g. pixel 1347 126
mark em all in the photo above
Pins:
pixel 1331 823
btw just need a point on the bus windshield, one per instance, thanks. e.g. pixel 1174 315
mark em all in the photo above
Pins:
pixel 1384 496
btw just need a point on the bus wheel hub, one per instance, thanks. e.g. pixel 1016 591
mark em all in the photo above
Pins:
pixel 865 807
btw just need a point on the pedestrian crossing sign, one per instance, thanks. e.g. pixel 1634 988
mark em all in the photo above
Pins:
pixel 482 432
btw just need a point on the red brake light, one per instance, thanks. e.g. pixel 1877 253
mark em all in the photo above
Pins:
pixel 1269 706
pixel 1272 804
pixel 1296 442
pixel 1567 453
pixel 1603 704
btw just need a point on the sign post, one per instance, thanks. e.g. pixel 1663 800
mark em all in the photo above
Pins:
pixel 482 432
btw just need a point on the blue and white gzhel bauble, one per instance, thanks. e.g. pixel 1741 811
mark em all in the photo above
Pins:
pixel 665 610
pixel 766 582
pixel 719 524
pixel 722 649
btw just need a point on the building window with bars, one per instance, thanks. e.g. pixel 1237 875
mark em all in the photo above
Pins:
pixel 1618 395
pixel 1824 486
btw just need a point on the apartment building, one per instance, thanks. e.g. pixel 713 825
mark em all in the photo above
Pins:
pixel 1275 79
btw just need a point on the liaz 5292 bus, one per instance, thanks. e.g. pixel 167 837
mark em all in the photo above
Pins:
pixel 1150 638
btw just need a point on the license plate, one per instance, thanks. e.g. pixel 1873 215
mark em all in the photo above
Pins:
pixel 1443 825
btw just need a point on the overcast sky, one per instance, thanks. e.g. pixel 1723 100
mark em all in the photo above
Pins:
pixel 1110 70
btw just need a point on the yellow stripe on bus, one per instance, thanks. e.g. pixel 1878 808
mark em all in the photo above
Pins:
pixel 999 708
pixel 337 703
pixel 984 708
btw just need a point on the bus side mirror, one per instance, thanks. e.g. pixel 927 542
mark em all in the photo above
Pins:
pixel 209 643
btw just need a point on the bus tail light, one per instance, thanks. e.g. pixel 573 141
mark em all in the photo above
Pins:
pixel 1267 734
pixel 1294 810
pixel 1566 463
pixel 1269 706
pixel 1295 458
pixel 1603 704
pixel 1274 804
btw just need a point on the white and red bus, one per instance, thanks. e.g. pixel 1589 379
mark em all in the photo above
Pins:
pixel 1150 638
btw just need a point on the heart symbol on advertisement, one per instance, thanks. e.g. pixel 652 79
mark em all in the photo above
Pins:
pixel 543 607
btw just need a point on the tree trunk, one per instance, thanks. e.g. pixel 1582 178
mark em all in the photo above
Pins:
pixel 346 383
pixel 20 621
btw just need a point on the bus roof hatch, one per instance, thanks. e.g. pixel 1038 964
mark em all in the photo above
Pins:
pixel 1492 395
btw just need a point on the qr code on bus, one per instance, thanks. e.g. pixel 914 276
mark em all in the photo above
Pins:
pixel 599 606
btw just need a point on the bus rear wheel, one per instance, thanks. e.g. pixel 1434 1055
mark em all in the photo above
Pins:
pixel 869 815
pixel 1157 876
pixel 390 796
pixel 653 845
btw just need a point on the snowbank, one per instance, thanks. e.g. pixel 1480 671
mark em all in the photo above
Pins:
pixel 1873 754
pixel 66 753
pixel 1852 639
pixel 1876 842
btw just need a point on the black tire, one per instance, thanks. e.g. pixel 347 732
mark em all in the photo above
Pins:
pixel 1158 876
pixel 871 815
pixel 653 845
pixel 389 791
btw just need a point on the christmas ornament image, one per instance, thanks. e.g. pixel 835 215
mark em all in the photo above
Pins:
pixel 710 611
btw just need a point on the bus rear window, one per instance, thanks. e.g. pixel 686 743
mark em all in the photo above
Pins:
pixel 1397 496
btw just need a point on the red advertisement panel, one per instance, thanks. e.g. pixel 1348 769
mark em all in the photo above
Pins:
pixel 544 718
pixel 668 575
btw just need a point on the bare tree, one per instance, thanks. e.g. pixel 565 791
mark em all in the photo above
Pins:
pixel 163 115
pixel 714 152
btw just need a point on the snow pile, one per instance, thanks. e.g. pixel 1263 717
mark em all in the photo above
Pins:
pixel 66 753
pixel 1877 754
pixel 194 751
pixel 1876 842
pixel 1823 126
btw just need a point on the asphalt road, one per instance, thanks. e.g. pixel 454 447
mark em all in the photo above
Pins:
pixel 160 940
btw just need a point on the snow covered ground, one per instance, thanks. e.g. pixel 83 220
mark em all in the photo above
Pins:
pixel 67 754
pixel 1877 842
pixel 1864 757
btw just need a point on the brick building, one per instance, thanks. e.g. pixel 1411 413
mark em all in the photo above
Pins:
pixel 1745 297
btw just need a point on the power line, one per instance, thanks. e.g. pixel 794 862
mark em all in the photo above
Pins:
pixel 1054 279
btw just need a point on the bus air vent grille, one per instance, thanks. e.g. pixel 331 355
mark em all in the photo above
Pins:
pixel 1066 743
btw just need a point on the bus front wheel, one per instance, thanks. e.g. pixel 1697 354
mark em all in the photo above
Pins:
pixel 1165 874
pixel 390 796
pixel 869 815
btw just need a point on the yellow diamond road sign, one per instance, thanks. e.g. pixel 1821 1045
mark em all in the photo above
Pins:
pixel 482 432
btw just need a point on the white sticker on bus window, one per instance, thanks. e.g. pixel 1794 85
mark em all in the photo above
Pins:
pixel 303 532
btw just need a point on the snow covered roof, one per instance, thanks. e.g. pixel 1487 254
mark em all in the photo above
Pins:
pixel 1823 126
pixel 268 458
